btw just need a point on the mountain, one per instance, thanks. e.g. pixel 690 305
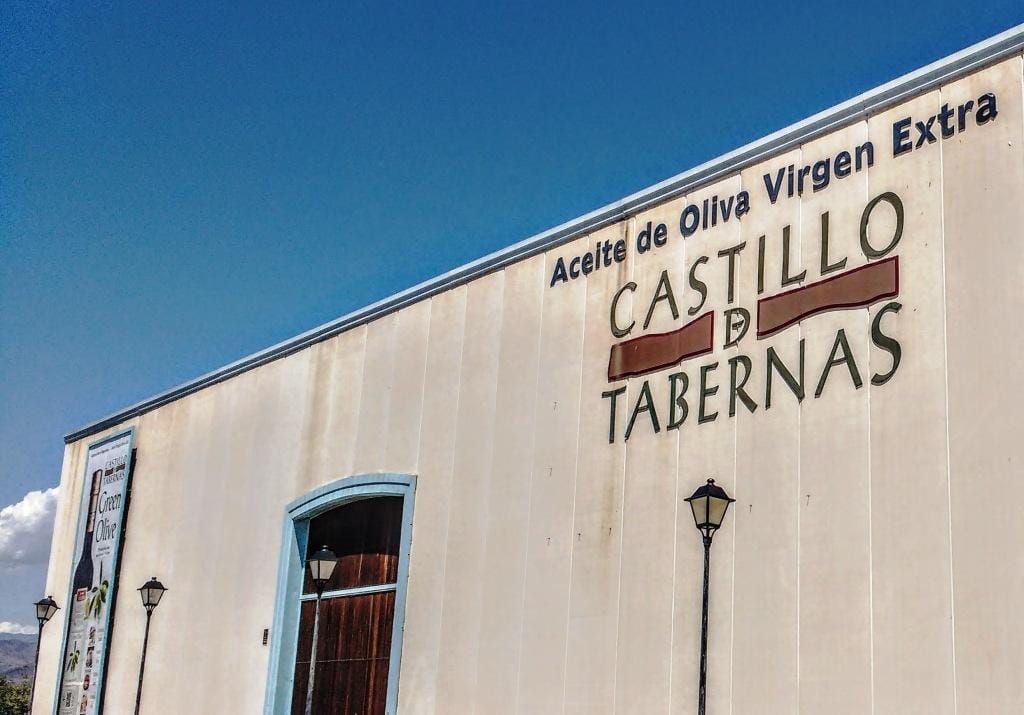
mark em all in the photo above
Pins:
pixel 17 652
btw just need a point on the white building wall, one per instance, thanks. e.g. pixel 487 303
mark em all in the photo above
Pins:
pixel 872 561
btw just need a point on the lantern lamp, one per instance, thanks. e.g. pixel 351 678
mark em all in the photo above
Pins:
pixel 709 504
pixel 45 608
pixel 151 591
pixel 321 566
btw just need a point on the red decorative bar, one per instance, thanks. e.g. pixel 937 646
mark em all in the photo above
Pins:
pixel 649 353
pixel 857 288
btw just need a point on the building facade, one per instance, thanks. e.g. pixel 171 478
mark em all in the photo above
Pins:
pixel 823 321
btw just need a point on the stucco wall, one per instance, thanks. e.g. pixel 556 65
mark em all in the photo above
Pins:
pixel 872 561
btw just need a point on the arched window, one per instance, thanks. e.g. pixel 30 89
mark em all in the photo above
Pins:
pixel 366 521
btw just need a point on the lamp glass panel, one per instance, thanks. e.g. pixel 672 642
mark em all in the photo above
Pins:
pixel 700 510
pixel 716 510
pixel 151 595
pixel 327 568
pixel 321 569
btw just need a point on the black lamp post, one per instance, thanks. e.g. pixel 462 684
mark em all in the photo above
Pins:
pixel 709 504
pixel 45 608
pixel 321 565
pixel 151 591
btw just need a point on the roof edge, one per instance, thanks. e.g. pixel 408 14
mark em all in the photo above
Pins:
pixel 882 97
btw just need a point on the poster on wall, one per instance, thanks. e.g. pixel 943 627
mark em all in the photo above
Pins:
pixel 94 578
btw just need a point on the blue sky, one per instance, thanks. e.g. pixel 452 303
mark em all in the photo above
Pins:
pixel 181 185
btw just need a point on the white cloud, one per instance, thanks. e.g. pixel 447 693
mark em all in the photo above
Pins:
pixel 26 529
pixel 8 627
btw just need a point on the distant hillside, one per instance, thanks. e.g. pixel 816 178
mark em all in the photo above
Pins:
pixel 16 655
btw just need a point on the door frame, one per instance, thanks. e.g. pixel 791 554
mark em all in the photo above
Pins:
pixel 295 533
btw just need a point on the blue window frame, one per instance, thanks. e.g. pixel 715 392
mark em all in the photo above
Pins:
pixel 284 633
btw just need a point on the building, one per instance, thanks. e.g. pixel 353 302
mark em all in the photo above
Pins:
pixel 823 321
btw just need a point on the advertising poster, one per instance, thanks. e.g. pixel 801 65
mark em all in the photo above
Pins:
pixel 94 578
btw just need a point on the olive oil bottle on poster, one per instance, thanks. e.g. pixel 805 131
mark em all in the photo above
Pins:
pixel 93 582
